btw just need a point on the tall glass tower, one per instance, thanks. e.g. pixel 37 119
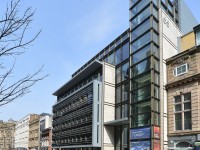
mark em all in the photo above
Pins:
pixel 155 26
pixel 144 56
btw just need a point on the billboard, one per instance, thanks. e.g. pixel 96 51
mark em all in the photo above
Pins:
pixel 140 145
pixel 141 133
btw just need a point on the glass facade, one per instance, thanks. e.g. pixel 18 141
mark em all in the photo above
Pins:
pixel 136 57
pixel 144 69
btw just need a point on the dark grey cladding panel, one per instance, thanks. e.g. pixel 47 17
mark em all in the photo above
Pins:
pixel 197 28
pixel 76 79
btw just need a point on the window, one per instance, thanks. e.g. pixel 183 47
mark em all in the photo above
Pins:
pixel 141 29
pixel 141 68
pixel 142 54
pixel 198 37
pixel 111 59
pixel 125 71
pixel 141 94
pixel 122 73
pixel 118 95
pixel 122 93
pixel 182 69
pixel 125 92
pixel 140 42
pixel 182 112
pixel 118 57
pixel 121 111
pixel 118 75
pixel 139 7
pixel 155 2
pixel 141 81
pixel 141 108
pixel 125 51
pixel 141 120
pixel 142 16
pixel 170 7
pixel 133 2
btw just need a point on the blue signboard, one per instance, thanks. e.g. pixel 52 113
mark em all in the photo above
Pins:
pixel 140 145
pixel 141 133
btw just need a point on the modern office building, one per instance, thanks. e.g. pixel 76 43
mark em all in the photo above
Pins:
pixel 46 132
pixel 7 132
pixel 22 132
pixel 183 89
pixel 118 100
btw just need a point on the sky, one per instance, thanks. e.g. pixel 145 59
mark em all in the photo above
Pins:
pixel 73 31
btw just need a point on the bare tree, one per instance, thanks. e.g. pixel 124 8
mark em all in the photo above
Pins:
pixel 14 25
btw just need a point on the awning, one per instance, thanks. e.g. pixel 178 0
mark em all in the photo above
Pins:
pixel 117 122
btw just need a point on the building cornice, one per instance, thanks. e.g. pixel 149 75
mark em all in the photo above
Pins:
pixel 183 55
pixel 186 80
pixel 184 132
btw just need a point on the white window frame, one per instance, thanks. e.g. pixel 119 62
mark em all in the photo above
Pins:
pixel 176 68
pixel 182 111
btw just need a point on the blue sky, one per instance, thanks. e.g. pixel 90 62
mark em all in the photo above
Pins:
pixel 73 31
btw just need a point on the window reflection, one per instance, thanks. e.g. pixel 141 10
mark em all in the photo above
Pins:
pixel 111 59
pixel 125 51
pixel 125 71
pixel 121 111
pixel 141 42
pixel 141 108
pixel 141 94
pixel 141 67
pixel 143 53
pixel 141 29
pixel 125 92
pixel 139 7
pixel 118 75
pixel 141 120
pixel 140 17
pixel 118 56
pixel 118 95
pixel 141 81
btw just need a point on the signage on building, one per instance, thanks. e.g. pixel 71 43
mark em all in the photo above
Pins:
pixel 156 132
pixel 166 21
pixel 141 133
pixel 140 145
pixel 156 144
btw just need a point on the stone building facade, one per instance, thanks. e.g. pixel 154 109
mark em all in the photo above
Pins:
pixel 7 131
pixel 183 87
pixel 34 135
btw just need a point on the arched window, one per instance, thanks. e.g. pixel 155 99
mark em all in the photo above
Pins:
pixel 183 145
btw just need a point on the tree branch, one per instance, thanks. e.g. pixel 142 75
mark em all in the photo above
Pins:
pixel 13 30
